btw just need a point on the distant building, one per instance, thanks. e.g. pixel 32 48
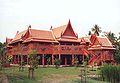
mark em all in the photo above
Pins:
pixel 59 43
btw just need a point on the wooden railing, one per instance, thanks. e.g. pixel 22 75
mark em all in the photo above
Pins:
pixel 67 49
pixel 48 49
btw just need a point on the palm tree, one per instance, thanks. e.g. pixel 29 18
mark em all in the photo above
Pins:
pixel 111 36
pixel 89 33
pixel 96 29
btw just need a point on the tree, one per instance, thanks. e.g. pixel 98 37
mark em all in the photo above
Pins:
pixel 116 42
pixel 33 62
pixel 111 36
pixel 76 62
pixel 89 33
pixel 21 62
pixel 96 29
pixel 2 54
pixel 57 63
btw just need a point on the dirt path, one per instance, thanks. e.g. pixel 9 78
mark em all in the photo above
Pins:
pixel 3 79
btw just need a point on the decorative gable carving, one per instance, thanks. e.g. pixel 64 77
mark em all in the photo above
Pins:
pixel 27 34
pixel 69 32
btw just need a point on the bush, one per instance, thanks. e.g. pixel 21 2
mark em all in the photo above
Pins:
pixel 111 73
pixel 57 63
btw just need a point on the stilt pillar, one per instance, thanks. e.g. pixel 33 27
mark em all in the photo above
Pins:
pixel 18 59
pixel 27 59
pixel 65 61
pixel 43 59
pixel 83 58
pixel 52 59
pixel 72 59
pixel 59 56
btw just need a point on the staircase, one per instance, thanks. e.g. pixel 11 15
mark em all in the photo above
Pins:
pixel 100 58
pixel 94 59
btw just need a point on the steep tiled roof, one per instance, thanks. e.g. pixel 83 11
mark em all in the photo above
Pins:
pixel 19 35
pixel 101 43
pixel 34 34
pixel 41 34
pixel 85 39
pixel 59 31
pixel 104 41
pixel 8 40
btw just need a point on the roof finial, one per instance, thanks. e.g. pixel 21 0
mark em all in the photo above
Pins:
pixel 51 28
pixel 17 32
pixel 69 21
pixel 29 26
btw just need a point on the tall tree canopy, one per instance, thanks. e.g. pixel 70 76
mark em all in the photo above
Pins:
pixel 2 53
pixel 96 29
pixel 116 42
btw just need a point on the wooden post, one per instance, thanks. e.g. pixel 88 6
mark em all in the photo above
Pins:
pixel 65 61
pixel 18 59
pixel 72 59
pixel 27 59
pixel 43 59
pixel 52 59
pixel 72 54
pixel 83 58
pixel 59 53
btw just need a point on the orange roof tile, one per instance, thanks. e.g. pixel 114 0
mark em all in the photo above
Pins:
pixel 38 34
pixel 41 34
pixel 59 31
pixel 68 40
pixel 8 40
pixel 19 35
pixel 85 39
pixel 104 41
pixel 101 48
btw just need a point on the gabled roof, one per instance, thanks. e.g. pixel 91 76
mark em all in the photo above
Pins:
pixel 18 36
pixel 57 32
pixel 65 31
pixel 69 31
pixel 100 43
pixel 8 40
pixel 84 40
pixel 41 34
pixel 33 34
pixel 104 41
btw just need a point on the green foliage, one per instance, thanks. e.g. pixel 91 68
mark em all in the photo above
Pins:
pixel 116 43
pixel 96 29
pixel 2 55
pixel 9 58
pixel 76 62
pixel 111 73
pixel 33 62
pixel 33 59
pixel 56 63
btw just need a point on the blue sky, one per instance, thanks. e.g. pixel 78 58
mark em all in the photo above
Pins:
pixel 17 15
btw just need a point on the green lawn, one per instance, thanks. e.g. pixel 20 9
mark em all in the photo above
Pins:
pixel 47 75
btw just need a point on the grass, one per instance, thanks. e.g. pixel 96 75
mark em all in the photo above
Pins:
pixel 47 75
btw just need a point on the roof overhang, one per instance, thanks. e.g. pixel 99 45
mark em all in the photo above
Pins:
pixel 39 40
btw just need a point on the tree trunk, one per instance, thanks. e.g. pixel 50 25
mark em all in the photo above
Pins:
pixel 31 73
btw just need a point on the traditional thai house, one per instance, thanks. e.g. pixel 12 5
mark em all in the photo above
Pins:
pixel 61 43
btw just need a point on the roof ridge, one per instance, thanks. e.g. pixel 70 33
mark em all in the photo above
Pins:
pixel 60 26
pixel 40 30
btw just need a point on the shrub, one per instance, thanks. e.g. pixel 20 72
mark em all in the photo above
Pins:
pixel 57 63
pixel 111 73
